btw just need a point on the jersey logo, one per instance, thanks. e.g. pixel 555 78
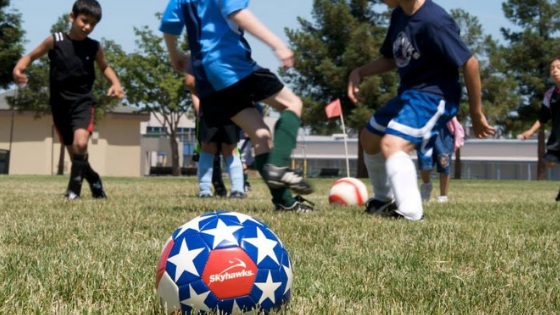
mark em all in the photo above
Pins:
pixel 403 50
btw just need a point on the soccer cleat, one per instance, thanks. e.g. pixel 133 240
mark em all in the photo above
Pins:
pixel 236 195
pixel 278 177
pixel 426 191
pixel 97 191
pixel 204 195
pixel 558 196
pixel 221 192
pixel 70 195
pixel 442 199
pixel 301 205
pixel 382 208
pixel 247 187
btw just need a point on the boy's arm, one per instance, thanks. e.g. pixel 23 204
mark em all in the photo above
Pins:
pixel 377 66
pixel 249 22
pixel 472 81
pixel 178 59
pixel 21 78
pixel 116 89
pixel 529 132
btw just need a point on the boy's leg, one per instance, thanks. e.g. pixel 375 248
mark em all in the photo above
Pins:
pixel 205 169
pixel 426 186
pixel 79 163
pixel 402 176
pixel 235 170
pixel 217 180
pixel 276 171
pixel 383 198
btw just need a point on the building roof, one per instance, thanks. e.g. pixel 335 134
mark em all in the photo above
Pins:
pixel 119 109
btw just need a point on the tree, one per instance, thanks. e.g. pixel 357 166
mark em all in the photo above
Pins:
pixel 530 49
pixel 345 34
pixel 152 85
pixel 11 42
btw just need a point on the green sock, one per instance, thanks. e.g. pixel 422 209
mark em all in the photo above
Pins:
pixel 282 196
pixel 285 134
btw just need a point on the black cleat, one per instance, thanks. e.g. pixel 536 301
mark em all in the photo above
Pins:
pixel 382 208
pixel 301 205
pixel 97 191
pixel 237 195
pixel 278 177
pixel 558 197
pixel 247 187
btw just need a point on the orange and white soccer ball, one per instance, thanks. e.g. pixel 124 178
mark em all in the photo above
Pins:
pixel 348 191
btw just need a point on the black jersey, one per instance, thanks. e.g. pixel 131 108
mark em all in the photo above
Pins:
pixel 550 110
pixel 72 70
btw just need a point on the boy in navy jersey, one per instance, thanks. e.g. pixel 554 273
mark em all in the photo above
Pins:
pixel 423 43
pixel 550 110
pixel 72 56
pixel 229 82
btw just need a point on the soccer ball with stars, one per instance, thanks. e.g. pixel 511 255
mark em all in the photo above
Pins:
pixel 225 262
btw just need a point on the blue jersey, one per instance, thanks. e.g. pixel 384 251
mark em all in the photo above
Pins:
pixel 428 51
pixel 220 54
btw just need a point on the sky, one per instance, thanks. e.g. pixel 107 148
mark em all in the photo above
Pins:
pixel 121 16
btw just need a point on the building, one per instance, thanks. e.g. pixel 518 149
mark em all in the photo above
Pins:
pixel 33 148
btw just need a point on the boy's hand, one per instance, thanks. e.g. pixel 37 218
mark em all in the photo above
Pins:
pixel 116 91
pixel 286 56
pixel 179 62
pixel 525 135
pixel 19 77
pixel 354 86
pixel 480 126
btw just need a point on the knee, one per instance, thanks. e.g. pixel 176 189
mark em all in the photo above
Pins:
pixel 295 105
pixel 262 141
pixel 80 146
pixel 370 141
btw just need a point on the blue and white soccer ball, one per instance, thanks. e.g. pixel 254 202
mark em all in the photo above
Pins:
pixel 225 262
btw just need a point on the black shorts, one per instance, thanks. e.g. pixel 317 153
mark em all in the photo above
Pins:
pixel 226 134
pixel 69 119
pixel 221 105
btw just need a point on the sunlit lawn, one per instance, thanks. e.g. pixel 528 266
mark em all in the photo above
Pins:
pixel 494 249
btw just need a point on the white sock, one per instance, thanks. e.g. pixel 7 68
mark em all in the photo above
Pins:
pixel 402 176
pixel 375 164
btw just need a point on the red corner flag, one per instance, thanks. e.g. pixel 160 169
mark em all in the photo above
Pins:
pixel 333 109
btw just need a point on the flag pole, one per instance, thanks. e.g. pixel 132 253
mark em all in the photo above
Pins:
pixel 345 145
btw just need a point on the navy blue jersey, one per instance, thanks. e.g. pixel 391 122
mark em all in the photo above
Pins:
pixel 428 51
pixel 550 110
pixel 220 54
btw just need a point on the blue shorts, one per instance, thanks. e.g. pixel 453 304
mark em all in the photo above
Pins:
pixel 414 116
pixel 438 151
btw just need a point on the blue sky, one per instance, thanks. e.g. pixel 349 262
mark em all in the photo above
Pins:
pixel 121 16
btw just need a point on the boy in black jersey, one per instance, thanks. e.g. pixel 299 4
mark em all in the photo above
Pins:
pixel 550 110
pixel 72 56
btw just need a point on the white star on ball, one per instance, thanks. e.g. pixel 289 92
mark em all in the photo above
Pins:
pixel 268 289
pixel 265 246
pixel 223 232
pixel 184 260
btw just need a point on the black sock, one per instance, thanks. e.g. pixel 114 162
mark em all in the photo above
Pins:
pixel 217 180
pixel 79 165
pixel 90 175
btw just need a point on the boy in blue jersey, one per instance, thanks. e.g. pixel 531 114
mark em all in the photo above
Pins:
pixel 423 43
pixel 229 82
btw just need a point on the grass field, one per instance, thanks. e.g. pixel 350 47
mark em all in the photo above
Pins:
pixel 494 249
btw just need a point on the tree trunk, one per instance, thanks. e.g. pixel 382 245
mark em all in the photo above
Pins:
pixel 176 169
pixel 458 164
pixel 541 166
pixel 60 168
pixel 362 170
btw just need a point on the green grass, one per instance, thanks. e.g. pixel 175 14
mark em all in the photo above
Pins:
pixel 494 249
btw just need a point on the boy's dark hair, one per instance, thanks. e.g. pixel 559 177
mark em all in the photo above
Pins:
pixel 87 7
pixel 554 58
